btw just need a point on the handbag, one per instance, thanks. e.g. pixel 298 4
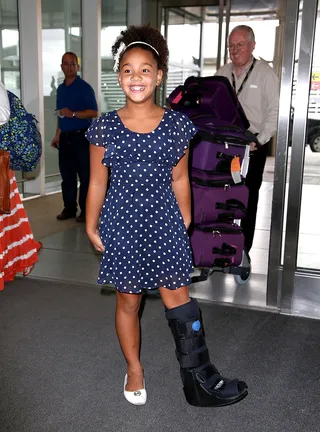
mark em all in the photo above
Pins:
pixel 21 137
pixel 4 182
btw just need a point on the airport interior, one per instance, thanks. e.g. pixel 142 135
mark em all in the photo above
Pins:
pixel 61 366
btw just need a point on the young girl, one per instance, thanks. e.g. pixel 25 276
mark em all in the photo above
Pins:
pixel 145 217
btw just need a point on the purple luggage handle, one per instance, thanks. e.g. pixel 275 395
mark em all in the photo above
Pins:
pixel 228 200
pixel 199 94
pixel 217 253
pixel 219 131
pixel 217 138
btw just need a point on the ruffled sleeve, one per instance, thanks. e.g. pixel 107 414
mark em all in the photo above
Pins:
pixel 183 131
pixel 100 133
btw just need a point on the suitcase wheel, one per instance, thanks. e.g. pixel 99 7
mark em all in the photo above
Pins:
pixel 243 277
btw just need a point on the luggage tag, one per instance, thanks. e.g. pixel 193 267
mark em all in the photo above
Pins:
pixel 177 98
pixel 235 169
pixel 245 162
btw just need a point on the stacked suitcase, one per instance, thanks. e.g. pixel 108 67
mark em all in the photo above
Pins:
pixel 219 156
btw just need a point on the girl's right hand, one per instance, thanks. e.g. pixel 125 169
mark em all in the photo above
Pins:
pixel 95 239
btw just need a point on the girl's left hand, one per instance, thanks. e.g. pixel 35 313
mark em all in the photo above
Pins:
pixel 95 239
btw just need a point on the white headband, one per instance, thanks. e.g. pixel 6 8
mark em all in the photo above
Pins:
pixel 122 49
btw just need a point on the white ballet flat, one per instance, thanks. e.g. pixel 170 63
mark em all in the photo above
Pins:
pixel 137 397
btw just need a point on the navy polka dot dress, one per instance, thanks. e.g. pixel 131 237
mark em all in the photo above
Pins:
pixel 141 227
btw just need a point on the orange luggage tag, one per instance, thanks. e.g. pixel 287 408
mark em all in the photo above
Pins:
pixel 235 169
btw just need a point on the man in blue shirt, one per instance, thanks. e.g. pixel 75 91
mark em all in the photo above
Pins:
pixel 76 107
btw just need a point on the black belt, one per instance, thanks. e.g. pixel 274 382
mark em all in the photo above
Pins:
pixel 74 132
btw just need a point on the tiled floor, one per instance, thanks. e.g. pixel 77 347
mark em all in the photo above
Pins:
pixel 68 255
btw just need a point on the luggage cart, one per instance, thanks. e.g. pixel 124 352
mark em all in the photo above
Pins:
pixel 213 107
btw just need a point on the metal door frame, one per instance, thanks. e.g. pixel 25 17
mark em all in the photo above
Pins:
pixel 280 169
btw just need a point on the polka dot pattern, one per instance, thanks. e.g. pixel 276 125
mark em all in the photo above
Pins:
pixel 141 227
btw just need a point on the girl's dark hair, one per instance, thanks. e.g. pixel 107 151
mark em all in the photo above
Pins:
pixel 149 35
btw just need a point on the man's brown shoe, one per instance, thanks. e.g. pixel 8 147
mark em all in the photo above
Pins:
pixel 65 215
pixel 81 218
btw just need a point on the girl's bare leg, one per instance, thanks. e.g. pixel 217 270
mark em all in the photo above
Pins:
pixel 174 298
pixel 128 331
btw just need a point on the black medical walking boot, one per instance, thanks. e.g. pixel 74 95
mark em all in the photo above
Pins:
pixel 202 383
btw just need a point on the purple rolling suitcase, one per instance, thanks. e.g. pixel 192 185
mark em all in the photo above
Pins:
pixel 214 153
pixel 217 201
pixel 216 198
pixel 213 107
pixel 217 245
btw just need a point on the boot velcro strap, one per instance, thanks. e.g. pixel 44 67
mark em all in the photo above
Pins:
pixel 190 345
pixel 215 382
pixel 184 329
pixel 194 359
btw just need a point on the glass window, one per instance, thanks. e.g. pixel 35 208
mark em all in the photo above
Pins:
pixel 309 231
pixel 113 21
pixel 184 59
pixel 61 32
pixel 9 54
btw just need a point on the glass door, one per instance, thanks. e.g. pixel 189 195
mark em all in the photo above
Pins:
pixel 211 26
pixel 181 23
pixel 301 272
pixel 61 32
pixel 308 257
pixel 294 271
pixel 113 21
pixel 286 252
pixel 265 50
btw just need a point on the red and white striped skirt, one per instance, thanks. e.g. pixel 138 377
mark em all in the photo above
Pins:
pixel 18 249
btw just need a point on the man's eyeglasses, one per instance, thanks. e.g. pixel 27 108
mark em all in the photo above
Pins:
pixel 238 46
pixel 73 64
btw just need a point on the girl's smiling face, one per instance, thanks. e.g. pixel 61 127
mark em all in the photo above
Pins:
pixel 139 75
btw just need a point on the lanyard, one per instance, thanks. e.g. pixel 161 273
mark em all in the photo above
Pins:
pixel 245 79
